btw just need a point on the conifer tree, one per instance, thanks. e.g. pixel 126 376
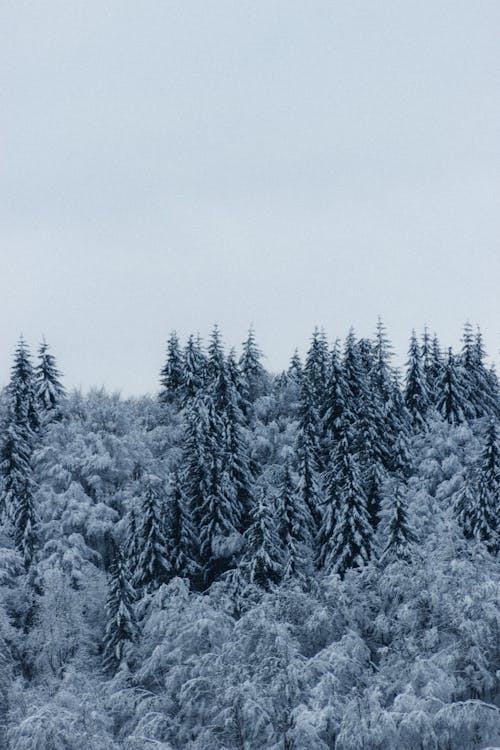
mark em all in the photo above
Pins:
pixel 308 457
pixel 400 536
pixel 17 500
pixel 295 370
pixel 153 566
pixel 354 375
pixel 416 393
pixel 485 512
pixel 181 544
pixel 335 406
pixel 49 389
pixel 194 369
pixel 451 399
pixel 121 627
pixel 316 366
pixel 295 527
pixel 252 370
pixel 215 359
pixel 351 541
pixel 172 372
pixel 264 556
pixel 381 371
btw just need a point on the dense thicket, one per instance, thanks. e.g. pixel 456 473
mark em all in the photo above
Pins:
pixel 301 560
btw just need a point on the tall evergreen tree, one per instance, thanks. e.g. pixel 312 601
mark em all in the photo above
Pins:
pixel 295 370
pixel 295 527
pixel 17 500
pixel 335 406
pixel 172 372
pixel 121 627
pixel 252 370
pixel 451 399
pixel 194 368
pixel 49 389
pixel 308 457
pixel 153 566
pixel 264 556
pixel 485 512
pixel 181 536
pixel 416 393
pixel 401 536
pixel 381 371
pixel 351 535
pixel 316 366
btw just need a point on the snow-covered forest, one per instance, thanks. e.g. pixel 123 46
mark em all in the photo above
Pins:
pixel 294 561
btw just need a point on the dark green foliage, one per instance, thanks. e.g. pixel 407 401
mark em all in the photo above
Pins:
pixel 121 628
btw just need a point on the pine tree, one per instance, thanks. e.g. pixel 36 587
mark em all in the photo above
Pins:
pixel 153 566
pixel 49 389
pixel 172 372
pixel 16 452
pixel 264 556
pixel 295 370
pixel 252 369
pixel 400 536
pixel 335 406
pixel 295 527
pixel 215 360
pixel 194 369
pixel 308 452
pixel 416 393
pixel 121 628
pixel 22 389
pixel 181 543
pixel 484 516
pixel 381 371
pixel 220 514
pixel 451 399
pixel 316 366
pixel 355 376
pixel 350 543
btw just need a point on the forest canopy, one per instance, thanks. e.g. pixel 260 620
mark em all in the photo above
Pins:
pixel 248 560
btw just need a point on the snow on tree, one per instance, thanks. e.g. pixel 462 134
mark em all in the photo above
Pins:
pixel 49 389
pixel 416 393
pixel 295 527
pixel 264 555
pixel 400 535
pixel 252 370
pixel 121 627
pixel 153 566
pixel 351 541
pixel 451 399
pixel 172 372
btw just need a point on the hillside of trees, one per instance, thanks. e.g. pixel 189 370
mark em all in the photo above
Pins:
pixel 296 561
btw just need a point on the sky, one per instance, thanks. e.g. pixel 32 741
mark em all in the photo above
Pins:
pixel 168 165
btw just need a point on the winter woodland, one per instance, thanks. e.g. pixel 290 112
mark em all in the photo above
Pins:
pixel 301 561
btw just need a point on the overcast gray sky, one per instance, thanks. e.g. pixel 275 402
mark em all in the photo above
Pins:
pixel 165 165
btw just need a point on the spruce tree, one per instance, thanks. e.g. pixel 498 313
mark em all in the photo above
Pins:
pixel 451 399
pixel 355 376
pixel 381 371
pixel 181 544
pixel 295 370
pixel 316 366
pixel 194 369
pixel 295 527
pixel 335 406
pixel 49 389
pixel 17 501
pixel 172 372
pixel 485 512
pixel 264 556
pixel 351 541
pixel 251 367
pixel 153 566
pixel 121 629
pixel 400 536
pixel 416 393
pixel 307 449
